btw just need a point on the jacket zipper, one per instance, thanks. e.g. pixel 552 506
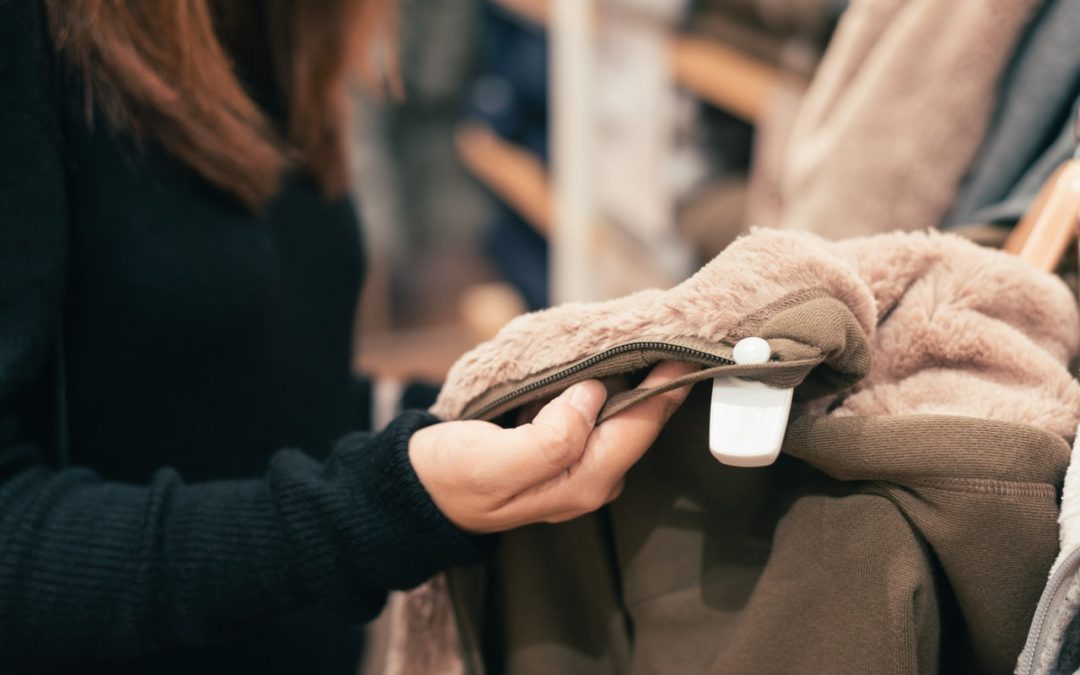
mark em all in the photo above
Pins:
pixel 1063 572
pixel 596 359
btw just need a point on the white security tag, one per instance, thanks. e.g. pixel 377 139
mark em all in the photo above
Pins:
pixel 748 419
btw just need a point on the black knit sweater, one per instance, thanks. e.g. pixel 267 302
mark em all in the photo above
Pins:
pixel 161 351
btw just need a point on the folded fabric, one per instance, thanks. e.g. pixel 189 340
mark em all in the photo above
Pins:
pixel 1035 123
pixel 907 527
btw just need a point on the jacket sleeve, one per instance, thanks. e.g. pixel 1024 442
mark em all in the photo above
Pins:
pixel 101 569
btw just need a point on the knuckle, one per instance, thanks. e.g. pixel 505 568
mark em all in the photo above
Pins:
pixel 581 503
pixel 615 491
pixel 558 445
pixel 591 499
pixel 476 480
pixel 566 436
pixel 597 501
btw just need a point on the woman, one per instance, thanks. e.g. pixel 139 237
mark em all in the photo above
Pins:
pixel 179 268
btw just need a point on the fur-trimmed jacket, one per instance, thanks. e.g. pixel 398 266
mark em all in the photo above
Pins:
pixel 908 526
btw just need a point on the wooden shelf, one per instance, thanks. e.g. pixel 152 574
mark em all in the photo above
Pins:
pixel 513 173
pixel 725 77
pixel 1052 222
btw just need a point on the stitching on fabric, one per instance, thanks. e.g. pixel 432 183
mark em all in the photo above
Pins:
pixel 988 486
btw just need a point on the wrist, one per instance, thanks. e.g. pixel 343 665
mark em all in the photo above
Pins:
pixel 364 523
pixel 426 541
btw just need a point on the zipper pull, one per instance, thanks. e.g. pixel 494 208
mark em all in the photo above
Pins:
pixel 748 419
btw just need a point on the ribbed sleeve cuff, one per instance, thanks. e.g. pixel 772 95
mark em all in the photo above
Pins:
pixel 363 524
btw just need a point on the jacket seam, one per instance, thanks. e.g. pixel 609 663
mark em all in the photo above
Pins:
pixel 982 486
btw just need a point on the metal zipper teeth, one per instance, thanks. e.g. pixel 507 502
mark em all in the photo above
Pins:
pixel 1064 572
pixel 598 358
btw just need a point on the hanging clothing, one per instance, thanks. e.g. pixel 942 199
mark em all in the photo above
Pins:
pixel 1035 126
pixel 894 117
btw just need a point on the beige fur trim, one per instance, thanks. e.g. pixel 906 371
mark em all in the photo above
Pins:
pixel 422 635
pixel 965 330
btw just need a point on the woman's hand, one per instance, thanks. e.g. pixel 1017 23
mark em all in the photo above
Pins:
pixel 487 479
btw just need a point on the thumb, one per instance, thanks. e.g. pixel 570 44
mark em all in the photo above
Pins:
pixel 555 439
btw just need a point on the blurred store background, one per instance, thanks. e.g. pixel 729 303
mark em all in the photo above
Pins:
pixel 565 149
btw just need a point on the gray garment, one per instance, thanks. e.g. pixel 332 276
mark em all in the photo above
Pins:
pixel 1053 642
pixel 1069 659
pixel 1034 128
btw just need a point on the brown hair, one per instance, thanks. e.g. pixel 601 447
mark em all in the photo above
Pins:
pixel 166 72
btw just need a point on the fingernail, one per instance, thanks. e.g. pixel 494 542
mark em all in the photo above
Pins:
pixel 587 397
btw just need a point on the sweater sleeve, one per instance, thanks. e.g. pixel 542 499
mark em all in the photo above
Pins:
pixel 96 569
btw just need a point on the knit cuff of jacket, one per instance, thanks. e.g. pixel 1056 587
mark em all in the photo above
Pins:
pixel 362 524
